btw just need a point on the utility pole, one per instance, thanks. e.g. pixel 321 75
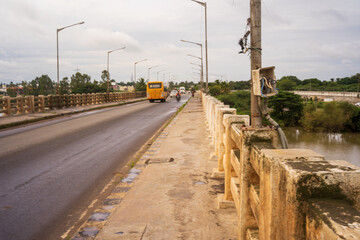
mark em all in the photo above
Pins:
pixel 255 48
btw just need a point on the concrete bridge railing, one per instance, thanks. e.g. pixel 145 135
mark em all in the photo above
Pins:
pixel 31 104
pixel 328 94
pixel 352 97
pixel 281 193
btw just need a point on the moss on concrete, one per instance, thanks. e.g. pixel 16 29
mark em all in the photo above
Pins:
pixel 313 186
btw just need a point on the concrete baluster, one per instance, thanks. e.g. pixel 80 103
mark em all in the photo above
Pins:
pixel 229 144
pixel 59 104
pixel 220 131
pixel 27 104
pixel 97 98
pixel 87 99
pixel 71 100
pixel 248 138
pixel 19 105
pixel 7 105
pixel 31 104
pixel 208 107
pixel 41 103
pixel 212 119
pixel 217 121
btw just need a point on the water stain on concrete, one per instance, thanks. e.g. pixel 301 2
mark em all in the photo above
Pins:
pixel 180 193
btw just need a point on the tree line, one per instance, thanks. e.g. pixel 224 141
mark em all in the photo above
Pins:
pixel 290 110
pixel 348 84
pixel 291 83
pixel 43 85
pixel 77 84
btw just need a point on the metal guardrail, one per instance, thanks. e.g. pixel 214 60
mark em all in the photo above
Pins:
pixel 30 104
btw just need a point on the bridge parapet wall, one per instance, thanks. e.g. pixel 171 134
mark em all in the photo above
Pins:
pixel 281 193
pixel 30 104
pixel 351 97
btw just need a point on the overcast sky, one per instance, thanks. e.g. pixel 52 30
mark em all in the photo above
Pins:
pixel 305 38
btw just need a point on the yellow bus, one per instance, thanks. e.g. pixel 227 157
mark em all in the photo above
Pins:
pixel 156 91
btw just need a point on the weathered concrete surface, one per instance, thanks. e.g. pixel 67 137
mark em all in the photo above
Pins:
pixel 283 193
pixel 177 199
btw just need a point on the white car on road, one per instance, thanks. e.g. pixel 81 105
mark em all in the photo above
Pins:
pixel 173 93
pixel 182 90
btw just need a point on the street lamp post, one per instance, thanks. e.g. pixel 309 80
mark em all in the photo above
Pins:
pixel 157 73
pixel 202 65
pixel 135 72
pixel 149 71
pixel 57 50
pixel 164 75
pixel 108 73
pixel 206 48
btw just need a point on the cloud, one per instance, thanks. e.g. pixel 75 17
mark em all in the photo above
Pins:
pixel 303 37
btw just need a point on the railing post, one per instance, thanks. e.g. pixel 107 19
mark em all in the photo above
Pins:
pixel 41 103
pixel 248 176
pixel 19 105
pixel 58 102
pixel 219 135
pixel 7 105
pixel 229 144
pixel 71 100
pixel 50 101
pixel 31 100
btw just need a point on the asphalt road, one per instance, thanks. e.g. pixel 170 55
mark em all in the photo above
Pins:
pixel 51 171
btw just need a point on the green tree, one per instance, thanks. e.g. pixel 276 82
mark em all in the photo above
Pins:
pixel 42 85
pixel 352 116
pixel 78 81
pixel 330 118
pixel 26 88
pixel 287 108
pixel 286 84
pixel 140 85
pixel 105 75
pixel 64 87
pixel 11 89
pixel 239 85
pixel 219 87
pixel 215 90
pixel 239 100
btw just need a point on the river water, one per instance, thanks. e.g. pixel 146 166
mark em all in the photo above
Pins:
pixel 334 146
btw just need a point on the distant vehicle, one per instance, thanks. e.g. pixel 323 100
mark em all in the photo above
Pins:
pixel 357 104
pixel 173 93
pixel 178 96
pixel 156 91
pixel 182 90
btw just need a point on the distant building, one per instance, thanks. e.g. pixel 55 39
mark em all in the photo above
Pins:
pixel 3 89
pixel 126 88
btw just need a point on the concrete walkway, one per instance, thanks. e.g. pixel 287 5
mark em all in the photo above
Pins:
pixel 169 194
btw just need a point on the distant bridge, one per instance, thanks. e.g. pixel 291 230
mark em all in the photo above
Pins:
pixel 351 97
